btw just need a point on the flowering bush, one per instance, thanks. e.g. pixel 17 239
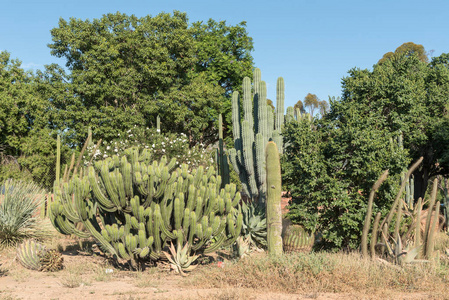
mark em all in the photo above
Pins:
pixel 170 145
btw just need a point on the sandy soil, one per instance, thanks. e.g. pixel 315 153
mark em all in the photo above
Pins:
pixel 89 276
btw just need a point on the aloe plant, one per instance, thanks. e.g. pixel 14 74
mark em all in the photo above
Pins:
pixel 180 260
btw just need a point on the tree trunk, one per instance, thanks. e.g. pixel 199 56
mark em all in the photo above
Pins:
pixel 421 182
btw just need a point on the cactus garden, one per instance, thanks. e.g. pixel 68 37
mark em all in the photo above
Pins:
pixel 155 166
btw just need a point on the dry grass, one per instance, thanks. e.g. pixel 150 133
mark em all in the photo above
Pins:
pixel 324 273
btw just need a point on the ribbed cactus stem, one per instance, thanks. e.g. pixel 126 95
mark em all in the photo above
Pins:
pixel 418 224
pixel 273 205
pixel 280 96
pixel 158 124
pixel 58 159
pixel 430 244
pixel 222 159
pixel 367 224
pixel 374 234
pixel 429 213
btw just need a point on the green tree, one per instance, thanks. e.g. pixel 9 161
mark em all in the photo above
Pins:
pixel 124 71
pixel 407 49
pixel 311 101
pixel 26 145
pixel 407 95
pixel 324 107
pixel 329 169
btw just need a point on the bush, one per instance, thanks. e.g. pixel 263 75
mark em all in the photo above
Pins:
pixel 329 168
pixel 169 144
pixel 19 206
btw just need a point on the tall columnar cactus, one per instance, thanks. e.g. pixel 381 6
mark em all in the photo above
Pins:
pixel 134 207
pixel 273 210
pixel 252 133
pixel 221 157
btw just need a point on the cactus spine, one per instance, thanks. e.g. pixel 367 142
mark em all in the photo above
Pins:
pixel 252 133
pixel 273 210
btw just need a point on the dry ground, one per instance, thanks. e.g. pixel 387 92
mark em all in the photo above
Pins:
pixel 88 275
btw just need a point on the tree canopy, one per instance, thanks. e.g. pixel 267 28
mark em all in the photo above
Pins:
pixel 407 49
pixel 330 165
pixel 124 71
pixel 26 146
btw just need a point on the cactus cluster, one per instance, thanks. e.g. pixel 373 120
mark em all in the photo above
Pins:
pixel 252 133
pixel 404 245
pixel 134 207
pixel 34 256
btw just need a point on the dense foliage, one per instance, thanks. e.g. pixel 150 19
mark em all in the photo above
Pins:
pixel 329 168
pixel 26 144
pixel 330 165
pixel 121 72
pixel 125 70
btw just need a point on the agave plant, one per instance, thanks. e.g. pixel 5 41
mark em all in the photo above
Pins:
pixel 254 228
pixel 401 255
pixel 18 212
pixel 180 259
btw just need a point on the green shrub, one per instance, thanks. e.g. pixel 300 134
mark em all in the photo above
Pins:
pixel 19 212
pixel 330 167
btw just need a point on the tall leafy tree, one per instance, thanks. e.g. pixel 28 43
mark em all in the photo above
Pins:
pixel 311 101
pixel 124 71
pixel 407 49
pixel 410 96
pixel 329 169
pixel 26 146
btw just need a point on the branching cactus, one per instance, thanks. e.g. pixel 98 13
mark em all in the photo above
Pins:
pixel 252 133
pixel 134 207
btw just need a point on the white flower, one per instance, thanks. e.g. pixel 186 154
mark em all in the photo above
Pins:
pixel 104 156
pixel 108 147
pixel 158 130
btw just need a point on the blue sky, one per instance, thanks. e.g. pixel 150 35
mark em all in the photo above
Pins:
pixel 312 44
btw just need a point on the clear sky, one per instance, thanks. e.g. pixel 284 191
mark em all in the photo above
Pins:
pixel 312 44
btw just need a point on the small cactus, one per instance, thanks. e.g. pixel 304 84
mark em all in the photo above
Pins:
pixel 34 256
pixel 296 239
